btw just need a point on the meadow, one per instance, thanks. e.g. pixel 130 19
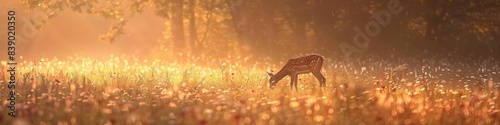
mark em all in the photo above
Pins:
pixel 235 90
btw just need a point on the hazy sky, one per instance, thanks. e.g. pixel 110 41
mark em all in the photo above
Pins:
pixel 68 33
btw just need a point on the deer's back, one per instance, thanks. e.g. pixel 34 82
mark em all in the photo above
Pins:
pixel 304 60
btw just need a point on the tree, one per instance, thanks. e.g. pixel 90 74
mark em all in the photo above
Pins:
pixel 193 33
pixel 288 27
pixel 177 26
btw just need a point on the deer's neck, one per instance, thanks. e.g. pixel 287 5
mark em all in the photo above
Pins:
pixel 282 73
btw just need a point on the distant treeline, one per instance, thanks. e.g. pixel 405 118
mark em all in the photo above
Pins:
pixel 289 27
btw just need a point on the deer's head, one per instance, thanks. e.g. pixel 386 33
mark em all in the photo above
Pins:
pixel 272 80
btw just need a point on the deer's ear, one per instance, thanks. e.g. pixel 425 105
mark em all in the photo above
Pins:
pixel 270 74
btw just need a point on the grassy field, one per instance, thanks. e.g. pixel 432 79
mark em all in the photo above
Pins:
pixel 231 91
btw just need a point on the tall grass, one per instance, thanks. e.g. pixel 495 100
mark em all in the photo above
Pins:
pixel 122 90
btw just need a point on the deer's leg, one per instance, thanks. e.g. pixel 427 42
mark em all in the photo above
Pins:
pixel 291 81
pixel 317 72
pixel 320 78
pixel 296 77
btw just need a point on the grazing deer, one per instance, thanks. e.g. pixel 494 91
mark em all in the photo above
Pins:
pixel 300 65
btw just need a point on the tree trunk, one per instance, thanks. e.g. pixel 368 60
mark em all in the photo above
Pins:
pixel 236 9
pixel 433 21
pixel 193 35
pixel 177 25
pixel 301 17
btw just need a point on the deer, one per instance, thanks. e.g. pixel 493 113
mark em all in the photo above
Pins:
pixel 300 65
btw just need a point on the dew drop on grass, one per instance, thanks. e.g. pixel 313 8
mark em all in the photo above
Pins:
pixel 106 111
pixel 294 104
pixel 172 105
pixel 264 116
pixel 318 118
